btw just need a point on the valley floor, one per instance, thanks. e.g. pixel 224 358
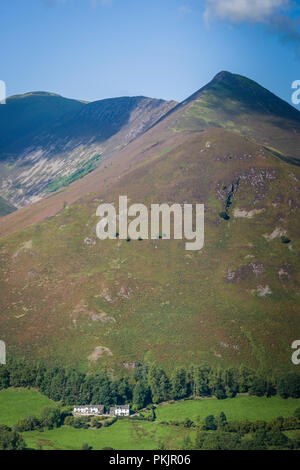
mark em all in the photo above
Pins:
pixel 130 434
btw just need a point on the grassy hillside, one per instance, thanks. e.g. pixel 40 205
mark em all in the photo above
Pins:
pixel 239 408
pixel 17 403
pixel 123 435
pixel 67 295
pixel 63 181
pixel 241 105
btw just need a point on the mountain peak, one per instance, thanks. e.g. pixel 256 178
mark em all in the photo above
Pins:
pixel 233 81
pixel 241 95
pixel 223 74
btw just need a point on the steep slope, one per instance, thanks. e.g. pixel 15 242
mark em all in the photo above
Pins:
pixel 238 104
pixel 48 140
pixel 24 117
pixel 5 207
pixel 227 102
pixel 67 296
pixel 100 120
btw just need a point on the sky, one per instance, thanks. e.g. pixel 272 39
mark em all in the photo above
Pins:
pixel 95 49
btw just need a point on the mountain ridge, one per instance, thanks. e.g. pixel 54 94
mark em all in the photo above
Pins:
pixel 63 136
pixel 68 296
pixel 239 104
pixel 177 124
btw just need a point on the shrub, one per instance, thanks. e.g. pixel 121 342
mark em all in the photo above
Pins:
pixel 69 420
pixel 10 440
pixel 83 422
pixel 224 215
pixel 220 394
pixel 210 423
pixel 289 385
pixel 30 423
pixel 96 423
pixel 85 446
pixel 188 423
pixel 297 413
pixel 109 422
pixel 291 422
pixel 50 417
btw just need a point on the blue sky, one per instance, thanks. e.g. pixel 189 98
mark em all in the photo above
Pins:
pixel 94 49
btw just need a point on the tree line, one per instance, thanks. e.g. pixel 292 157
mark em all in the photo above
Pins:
pixel 148 383
pixel 244 434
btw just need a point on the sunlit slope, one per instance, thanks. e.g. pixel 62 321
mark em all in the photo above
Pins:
pixel 229 101
pixel 236 103
pixel 65 295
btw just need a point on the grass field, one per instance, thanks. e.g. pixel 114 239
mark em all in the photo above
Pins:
pixel 295 434
pixel 128 434
pixel 241 407
pixel 16 403
pixel 123 435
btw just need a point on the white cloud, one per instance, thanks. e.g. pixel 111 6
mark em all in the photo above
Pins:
pixel 238 11
pixel 274 14
pixel 185 9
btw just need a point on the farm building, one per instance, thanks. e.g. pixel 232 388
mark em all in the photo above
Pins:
pixel 120 410
pixel 88 410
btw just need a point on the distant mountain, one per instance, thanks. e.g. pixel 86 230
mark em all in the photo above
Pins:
pixel 98 121
pixel 25 116
pixel 240 105
pixel 68 296
pixel 47 140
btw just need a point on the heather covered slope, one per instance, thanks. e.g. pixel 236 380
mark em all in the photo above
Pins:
pixel 236 103
pixel 229 102
pixel 68 296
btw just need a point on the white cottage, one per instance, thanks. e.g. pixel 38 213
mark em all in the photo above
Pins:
pixel 88 410
pixel 120 410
